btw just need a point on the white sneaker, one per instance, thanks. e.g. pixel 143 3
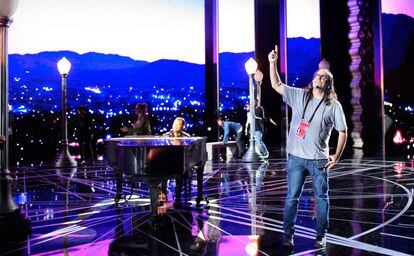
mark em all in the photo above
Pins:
pixel 320 242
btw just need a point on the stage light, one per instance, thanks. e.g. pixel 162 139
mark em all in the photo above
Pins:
pixel 250 66
pixel 64 66
pixel 8 8
pixel 64 160
pixel 258 77
pixel 398 138
pixel 251 155
pixel 12 221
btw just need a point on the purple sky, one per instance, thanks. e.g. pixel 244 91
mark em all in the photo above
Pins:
pixel 398 7
pixel 152 30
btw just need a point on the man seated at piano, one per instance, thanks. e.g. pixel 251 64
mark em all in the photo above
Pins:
pixel 176 132
pixel 142 125
pixel 153 160
pixel 177 129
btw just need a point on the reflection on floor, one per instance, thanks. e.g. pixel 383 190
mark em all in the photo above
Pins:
pixel 73 212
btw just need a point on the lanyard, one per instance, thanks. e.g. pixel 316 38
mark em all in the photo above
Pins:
pixel 306 106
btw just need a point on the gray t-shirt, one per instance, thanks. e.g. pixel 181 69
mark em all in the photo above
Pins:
pixel 315 144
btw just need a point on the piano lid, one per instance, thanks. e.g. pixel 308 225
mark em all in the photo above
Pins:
pixel 148 141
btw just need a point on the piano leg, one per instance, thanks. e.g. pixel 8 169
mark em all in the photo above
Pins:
pixel 200 172
pixel 118 181
pixel 188 182
pixel 185 184
pixel 153 193
pixel 178 187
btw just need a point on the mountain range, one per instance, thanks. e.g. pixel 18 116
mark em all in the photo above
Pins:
pixel 98 69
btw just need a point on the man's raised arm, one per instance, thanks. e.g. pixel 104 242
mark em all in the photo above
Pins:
pixel 274 75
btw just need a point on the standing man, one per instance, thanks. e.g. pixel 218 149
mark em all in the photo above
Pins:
pixel 142 125
pixel 315 111
pixel 237 129
pixel 259 117
pixel 85 135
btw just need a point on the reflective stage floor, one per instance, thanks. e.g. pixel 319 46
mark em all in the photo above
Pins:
pixel 72 212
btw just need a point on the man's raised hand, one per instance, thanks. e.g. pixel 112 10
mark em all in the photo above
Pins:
pixel 273 55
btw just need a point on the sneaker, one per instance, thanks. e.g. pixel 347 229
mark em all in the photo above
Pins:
pixel 320 242
pixel 288 240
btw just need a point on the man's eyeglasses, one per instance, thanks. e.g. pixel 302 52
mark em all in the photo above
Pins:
pixel 320 77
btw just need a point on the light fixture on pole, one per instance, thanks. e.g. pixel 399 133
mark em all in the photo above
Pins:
pixel 258 77
pixel 251 155
pixel 12 222
pixel 64 160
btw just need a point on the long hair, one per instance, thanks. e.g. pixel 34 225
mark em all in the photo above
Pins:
pixel 142 108
pixel 330 93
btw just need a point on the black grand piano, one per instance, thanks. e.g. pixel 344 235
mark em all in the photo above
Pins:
pixel 152 159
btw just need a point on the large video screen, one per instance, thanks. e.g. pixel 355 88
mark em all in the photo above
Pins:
pixel 122 52
pixel 398 60
pixel 125 52
pixel 236 46
pixel 303 43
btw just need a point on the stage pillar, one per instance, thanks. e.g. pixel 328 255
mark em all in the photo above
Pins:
pixel 211 70
pixel 335 45
pixel 270 29
pixel 367 75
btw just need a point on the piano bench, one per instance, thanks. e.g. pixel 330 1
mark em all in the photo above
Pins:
pixel 215 148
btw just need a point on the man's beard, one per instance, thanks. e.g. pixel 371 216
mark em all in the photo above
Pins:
pixel 318 86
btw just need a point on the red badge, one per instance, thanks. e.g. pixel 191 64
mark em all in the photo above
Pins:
pixel 303 127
